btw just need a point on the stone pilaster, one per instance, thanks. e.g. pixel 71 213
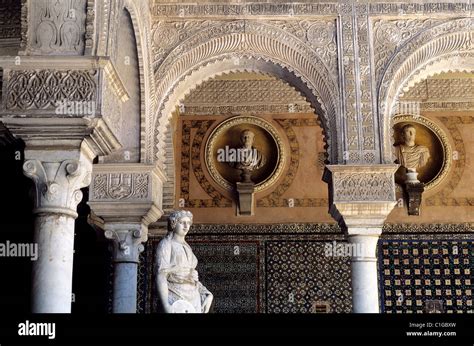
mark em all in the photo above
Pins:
pixel 125 199
pixel 361 199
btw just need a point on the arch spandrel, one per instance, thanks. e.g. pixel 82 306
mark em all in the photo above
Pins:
pixel 448 47
pixel 267 50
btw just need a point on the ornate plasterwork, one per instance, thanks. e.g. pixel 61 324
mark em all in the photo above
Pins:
pixel 241 43
pixel 45 89
pixel 443 48
pixel 120 186
pixel 141 20
pixel 255 9
pixel 191 161
pixel 126 193
pixel 228 96
pixel 390 35
pixel 320 35
pixel 56 27
pixel 361 196
pixel 438 90
pixel 363 186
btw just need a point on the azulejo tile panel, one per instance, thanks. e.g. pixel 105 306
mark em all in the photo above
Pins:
pixel 426 275
pixel 300 277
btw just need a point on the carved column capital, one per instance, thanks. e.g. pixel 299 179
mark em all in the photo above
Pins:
pixel 361 196
pixel 58 183
pixel 127 241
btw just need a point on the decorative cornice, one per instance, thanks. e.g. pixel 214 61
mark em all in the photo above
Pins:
pixel 302 9
pixel 44 133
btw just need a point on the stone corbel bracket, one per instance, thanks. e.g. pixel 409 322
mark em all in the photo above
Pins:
pixel 126 193
pixel 361 196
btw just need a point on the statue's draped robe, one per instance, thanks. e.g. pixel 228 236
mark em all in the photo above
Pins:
pixel 178 262
pixel 249 159
pixel 412 157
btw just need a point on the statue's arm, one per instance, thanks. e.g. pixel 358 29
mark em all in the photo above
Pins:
pixel 162 284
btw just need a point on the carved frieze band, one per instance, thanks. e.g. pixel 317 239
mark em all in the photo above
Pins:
pixel 302 9
pixel 46 89
pixel 363 186
pixel 366 187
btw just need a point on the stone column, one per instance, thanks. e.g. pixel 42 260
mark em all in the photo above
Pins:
pixel 125 199
pixel 127 244
pixel 361 199
pixel 58 158
pixel 57 194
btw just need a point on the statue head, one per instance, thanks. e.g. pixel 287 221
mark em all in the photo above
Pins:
pixel 176 217
pixel 408 134
pixel 247 137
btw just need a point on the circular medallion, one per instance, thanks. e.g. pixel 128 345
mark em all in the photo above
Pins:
pixel 432 142
pixel 166 36
pixel 320 34
pixel 244 143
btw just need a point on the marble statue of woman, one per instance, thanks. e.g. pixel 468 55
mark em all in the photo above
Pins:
pixel 410 155
pixel 175 263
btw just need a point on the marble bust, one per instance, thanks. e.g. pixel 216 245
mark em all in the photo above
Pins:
pixel 248 157
pixel 176 277
pixel 410 155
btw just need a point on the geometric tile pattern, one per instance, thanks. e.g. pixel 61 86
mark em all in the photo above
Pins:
pixel 417 274
pixel 230 272
pixel 300 277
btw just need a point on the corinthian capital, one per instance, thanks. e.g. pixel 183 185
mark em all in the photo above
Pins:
pixel 57 184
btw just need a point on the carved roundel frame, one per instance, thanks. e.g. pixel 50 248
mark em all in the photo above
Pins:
pixel 221 131
pixel 439 134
